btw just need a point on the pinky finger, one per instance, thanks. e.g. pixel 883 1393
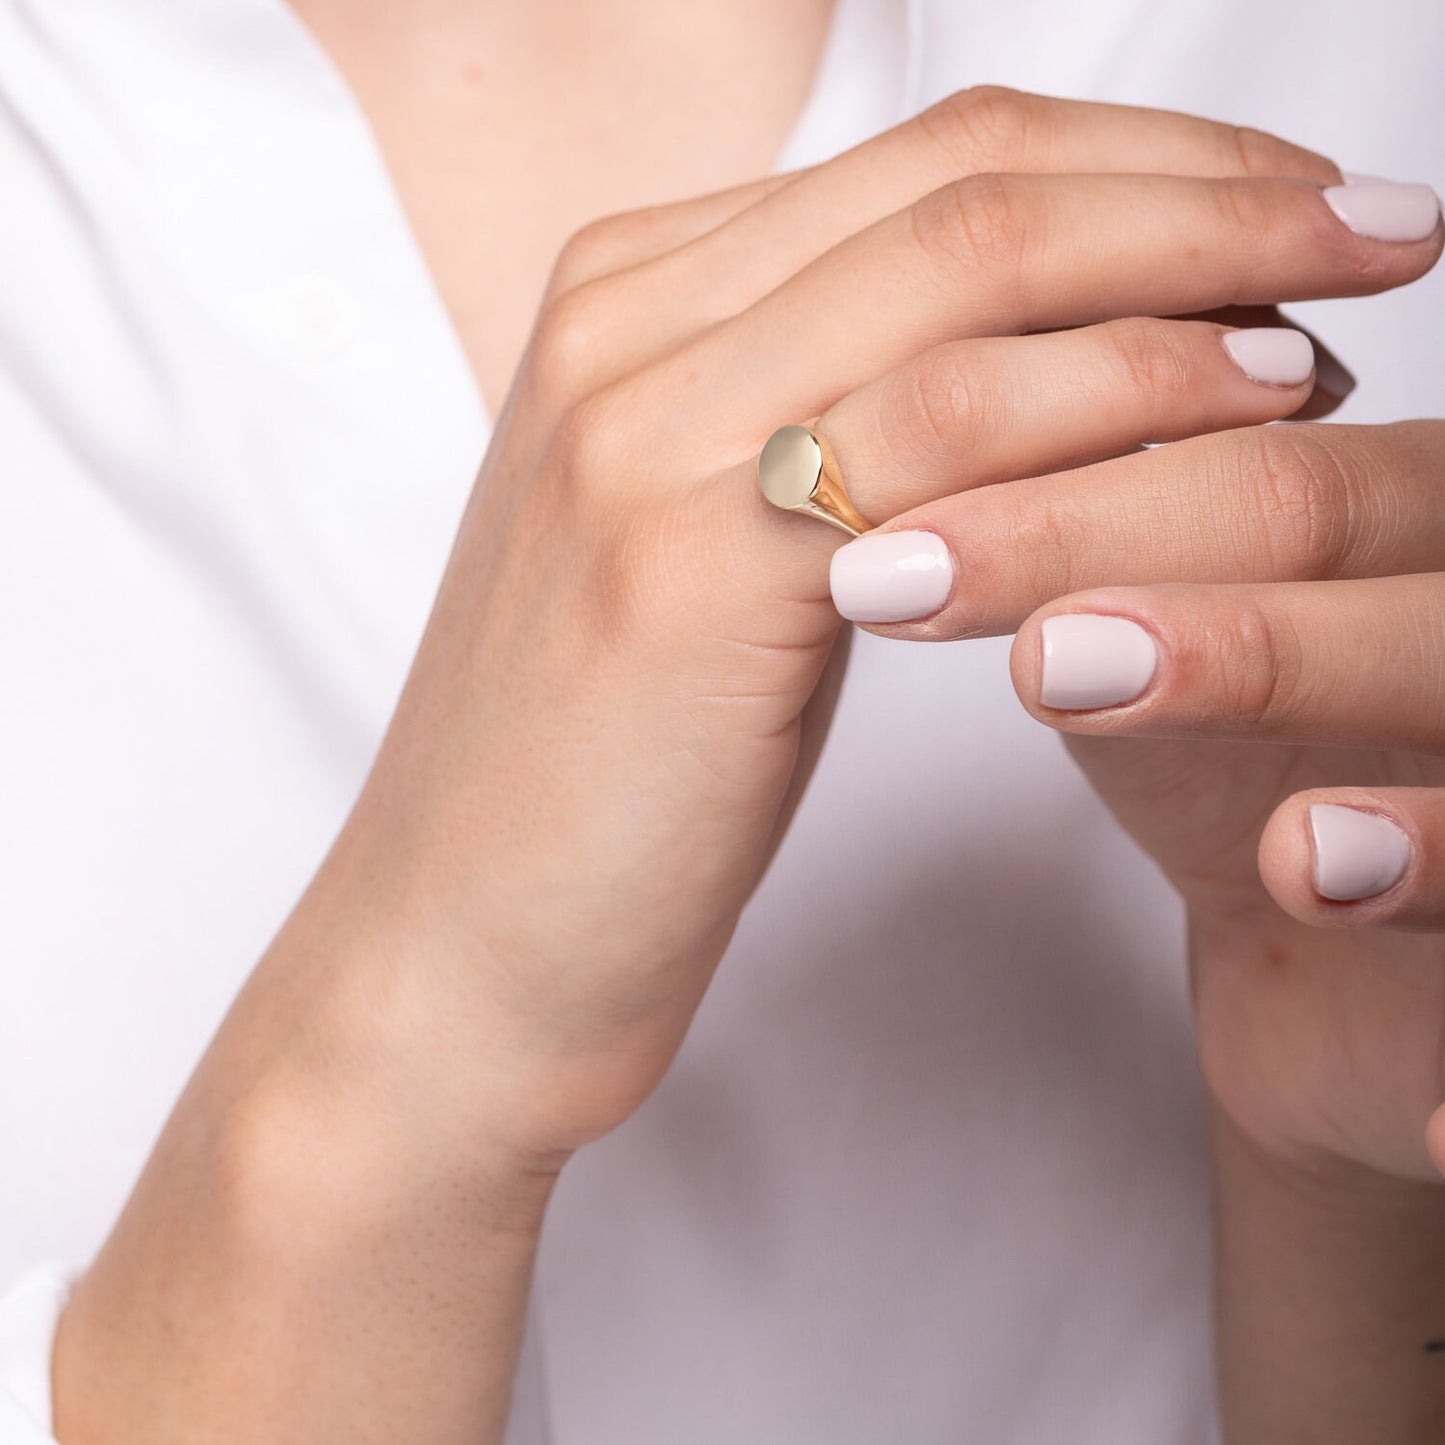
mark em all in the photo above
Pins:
pixel 1356 857
pixel 619 242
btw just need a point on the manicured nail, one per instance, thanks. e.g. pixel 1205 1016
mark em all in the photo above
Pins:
pixel 1359 178
pixel 1274 355
pixel 1331 374
pixel 1386 210
pixel 891 576
pixel 1357 854
pixel 1094 661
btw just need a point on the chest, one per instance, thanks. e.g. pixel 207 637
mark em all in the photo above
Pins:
pixel 507 128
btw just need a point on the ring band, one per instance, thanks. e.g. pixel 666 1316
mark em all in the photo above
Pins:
pixel 798 472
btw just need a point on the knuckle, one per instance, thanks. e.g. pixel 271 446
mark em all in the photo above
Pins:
pixel 940 404
pixel 986 125
pixel 971 225
pixel 589 449
pixel 588 253
pixel 1257 676
pixel 1245 208
pixel 1258 153
pixel 570 341
pixel 1254 152
pixel 1305 500
pixel 1045 540
pixel 1152 358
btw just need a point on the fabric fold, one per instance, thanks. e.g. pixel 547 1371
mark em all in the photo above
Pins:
pixel 29 1314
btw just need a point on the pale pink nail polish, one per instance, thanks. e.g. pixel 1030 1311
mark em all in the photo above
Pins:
pixel 1386 210
pixel 1357 854
pixel 1274 355
pixel 1094 661
pixel 891 576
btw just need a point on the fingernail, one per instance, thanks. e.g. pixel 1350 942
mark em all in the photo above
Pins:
pixel 891 576
pixel 1386 210
pixel 1331 375
pixel 1357 854
pixel 1359 178
pixel 1094 661
pixel 1274 355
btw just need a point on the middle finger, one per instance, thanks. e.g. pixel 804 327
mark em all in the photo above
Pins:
pixel 1267 504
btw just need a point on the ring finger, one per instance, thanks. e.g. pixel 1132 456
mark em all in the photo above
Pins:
pixel 986 410
pixel 976 412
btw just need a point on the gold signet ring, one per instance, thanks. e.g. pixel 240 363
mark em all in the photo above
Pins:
pixel 797 472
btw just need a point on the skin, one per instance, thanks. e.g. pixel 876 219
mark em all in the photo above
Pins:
pixel 466 105
pixel 1298 665
pixel 502 953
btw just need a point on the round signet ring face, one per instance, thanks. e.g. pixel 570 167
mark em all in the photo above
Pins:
pixel 797 472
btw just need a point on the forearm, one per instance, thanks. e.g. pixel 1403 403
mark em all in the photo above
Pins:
pixel 323 1247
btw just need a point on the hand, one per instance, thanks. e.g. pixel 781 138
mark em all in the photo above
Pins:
pixel 612 715
pixel 1241 636
pixel 618 699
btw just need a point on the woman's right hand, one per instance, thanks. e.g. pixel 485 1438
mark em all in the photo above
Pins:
pixel 625 680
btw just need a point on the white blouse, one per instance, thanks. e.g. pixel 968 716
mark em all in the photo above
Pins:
pixel 930 1166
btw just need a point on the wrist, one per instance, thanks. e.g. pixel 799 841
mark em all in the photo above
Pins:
pixel 1329 1189
pixel 320 1240
pixel 365 1017
pixel 1329 1323
pixel 522 1010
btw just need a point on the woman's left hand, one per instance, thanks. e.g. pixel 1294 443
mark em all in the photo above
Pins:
pixel 1243 636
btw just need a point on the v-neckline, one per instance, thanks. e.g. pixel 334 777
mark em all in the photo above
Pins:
pixel 864 82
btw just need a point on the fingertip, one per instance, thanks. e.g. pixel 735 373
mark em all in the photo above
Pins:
pixel 1333 860
pixel 1285 861
pixel 1025 664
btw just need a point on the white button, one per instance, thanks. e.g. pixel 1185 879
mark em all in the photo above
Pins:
pixel 317 318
